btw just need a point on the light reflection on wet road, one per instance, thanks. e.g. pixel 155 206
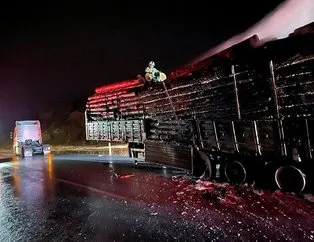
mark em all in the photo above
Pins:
pixel 75 198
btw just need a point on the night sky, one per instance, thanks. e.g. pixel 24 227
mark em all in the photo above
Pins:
pixel 55 54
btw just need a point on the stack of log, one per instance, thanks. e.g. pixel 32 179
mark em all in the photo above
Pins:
pixel 211 94
pixel 170 130
pixel 229 87
pixel 116 101
pixel 295 86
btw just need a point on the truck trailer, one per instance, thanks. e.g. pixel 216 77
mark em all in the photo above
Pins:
pixel 27 139
pixel 244 115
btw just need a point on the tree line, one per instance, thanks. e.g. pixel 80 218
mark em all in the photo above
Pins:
pixel 63 127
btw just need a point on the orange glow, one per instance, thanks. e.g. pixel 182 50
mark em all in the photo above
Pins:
pixel 49 182
pixel 126 176
pixel 0 185
pixel 50 167
pixel 16 175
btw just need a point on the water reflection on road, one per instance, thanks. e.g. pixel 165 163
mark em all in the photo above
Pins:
pixel 16 175
pixel 77 198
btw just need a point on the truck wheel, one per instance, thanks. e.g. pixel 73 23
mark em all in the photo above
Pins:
pixel 202 166
pixel 290 179
pixel 235 172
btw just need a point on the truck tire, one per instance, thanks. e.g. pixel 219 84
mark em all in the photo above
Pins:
pixel 290 179
pixel 235 172
pixel 202 166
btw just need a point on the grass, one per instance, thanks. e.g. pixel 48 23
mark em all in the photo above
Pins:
pixel 101 150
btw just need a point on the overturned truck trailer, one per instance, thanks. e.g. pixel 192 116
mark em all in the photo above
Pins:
pixel 243 115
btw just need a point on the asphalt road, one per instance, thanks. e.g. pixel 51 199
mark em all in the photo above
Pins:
pixel 90 198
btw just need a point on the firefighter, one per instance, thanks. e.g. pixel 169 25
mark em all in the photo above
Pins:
pixel 151 73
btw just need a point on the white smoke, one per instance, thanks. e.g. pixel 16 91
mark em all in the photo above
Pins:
pixel 287 17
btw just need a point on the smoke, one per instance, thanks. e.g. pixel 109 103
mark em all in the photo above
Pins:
pixel 287 17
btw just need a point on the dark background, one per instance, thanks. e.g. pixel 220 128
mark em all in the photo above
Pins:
pixel 53 56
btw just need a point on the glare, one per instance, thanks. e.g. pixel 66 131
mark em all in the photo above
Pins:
pixel 6 164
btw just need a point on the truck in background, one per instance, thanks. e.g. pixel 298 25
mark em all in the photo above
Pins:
pixel 27 139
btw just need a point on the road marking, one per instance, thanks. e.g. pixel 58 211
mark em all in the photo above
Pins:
pixel 104 193
pixel 101 192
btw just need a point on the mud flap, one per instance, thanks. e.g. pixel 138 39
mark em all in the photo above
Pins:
pixel 168 154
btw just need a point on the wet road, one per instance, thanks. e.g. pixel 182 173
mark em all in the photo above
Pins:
pixel 86 198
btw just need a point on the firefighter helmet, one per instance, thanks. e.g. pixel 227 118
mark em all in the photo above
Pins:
pixel 151 64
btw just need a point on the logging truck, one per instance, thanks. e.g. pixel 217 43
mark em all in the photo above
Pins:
pixel 244 115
